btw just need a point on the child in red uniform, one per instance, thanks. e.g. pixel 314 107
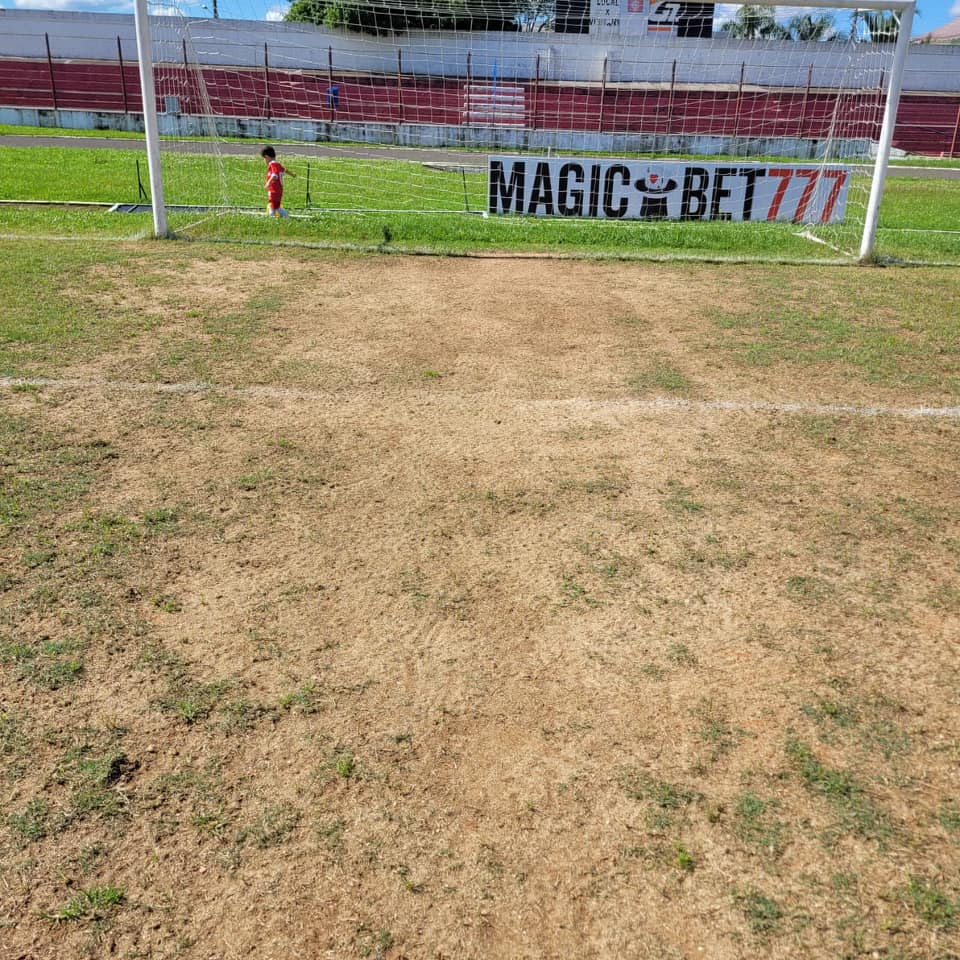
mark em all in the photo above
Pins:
pixel 274 184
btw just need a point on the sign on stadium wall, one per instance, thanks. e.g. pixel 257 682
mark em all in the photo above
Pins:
pixel 673 18
pixel 667 190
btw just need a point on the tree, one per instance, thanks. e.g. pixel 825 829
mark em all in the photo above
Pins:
pixel 402 15
pixel 805 26
pixel 755 23
pixel 534 16
pixel 881 27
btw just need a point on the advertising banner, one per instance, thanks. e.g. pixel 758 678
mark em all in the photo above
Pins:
pixel 667 190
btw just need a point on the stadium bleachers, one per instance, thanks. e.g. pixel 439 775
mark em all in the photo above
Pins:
pixel 927 123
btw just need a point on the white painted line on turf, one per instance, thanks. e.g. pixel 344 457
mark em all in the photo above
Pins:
pixel 756 406
pixel 654 404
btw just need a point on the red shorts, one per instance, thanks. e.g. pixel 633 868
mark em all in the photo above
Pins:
pixel 275 199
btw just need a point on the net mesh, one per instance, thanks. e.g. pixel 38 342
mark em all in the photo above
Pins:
pixel 396 107
pixel 407 98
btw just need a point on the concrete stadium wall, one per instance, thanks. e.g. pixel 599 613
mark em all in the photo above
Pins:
pixel 87 36
pixel 438 135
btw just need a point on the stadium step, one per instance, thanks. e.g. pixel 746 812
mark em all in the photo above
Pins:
pixel 499 104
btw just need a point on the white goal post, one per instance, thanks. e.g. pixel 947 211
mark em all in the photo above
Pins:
pixel 400 74
pixel 151 130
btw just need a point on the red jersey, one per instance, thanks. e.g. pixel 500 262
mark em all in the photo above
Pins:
pixel 275 172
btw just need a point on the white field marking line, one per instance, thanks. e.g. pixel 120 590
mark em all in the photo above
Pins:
pixel 952 233
pixel 196 223
pixel 655 404
pixel 807 235
pixel 74 238
pixel 754 406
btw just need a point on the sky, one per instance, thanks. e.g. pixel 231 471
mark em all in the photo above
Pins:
pixel 932 13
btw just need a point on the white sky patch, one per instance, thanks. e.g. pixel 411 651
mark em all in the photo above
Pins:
pixel 723 12
pixel 955 9
pixel 276 13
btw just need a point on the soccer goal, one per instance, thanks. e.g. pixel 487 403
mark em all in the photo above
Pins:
pixel 770 120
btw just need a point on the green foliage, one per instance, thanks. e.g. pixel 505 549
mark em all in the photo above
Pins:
pixel 759 22
pixel 400 17
pixel 331 833
pixel 880 27
pixel 345 764
pixel 91 769
pixel 808 588
pixel 680 501
pixel 681 655
pixel 949 816
pixel 306 699
pixel 13 742
pixel 575 594
pixel 807 26
pixel 755 22
pixel 682 858
pixel 241 715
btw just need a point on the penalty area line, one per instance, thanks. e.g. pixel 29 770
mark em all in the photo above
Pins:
pixel 652 405
pixel 755 406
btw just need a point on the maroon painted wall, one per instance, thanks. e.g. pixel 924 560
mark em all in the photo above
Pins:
pixel 926 123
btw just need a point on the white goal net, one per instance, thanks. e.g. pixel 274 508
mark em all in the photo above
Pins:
pixel 764 114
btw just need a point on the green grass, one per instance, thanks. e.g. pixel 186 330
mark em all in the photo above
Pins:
pixel 756 825
pixel 89 769
pixel 31 823
pixel 660 375
pixel 912 210
pixel 870 329
pixel 40 322
pixel 932 904
pixel 95 903
pixel 857 812
pixel 192 702
pixel 10 129
pixel 680 500
pixel 658 793
pixel 272 827
pixel 26 130
pixel 50 664
pixel 949 817
pixel 763 913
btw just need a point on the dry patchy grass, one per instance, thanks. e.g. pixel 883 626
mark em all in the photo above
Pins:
pixel 440 660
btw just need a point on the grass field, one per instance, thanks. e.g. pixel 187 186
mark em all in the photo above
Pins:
pixel 363 606
pixel 10 129
pixel 918 219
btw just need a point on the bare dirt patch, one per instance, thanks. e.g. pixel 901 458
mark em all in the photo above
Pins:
pixel 429 665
